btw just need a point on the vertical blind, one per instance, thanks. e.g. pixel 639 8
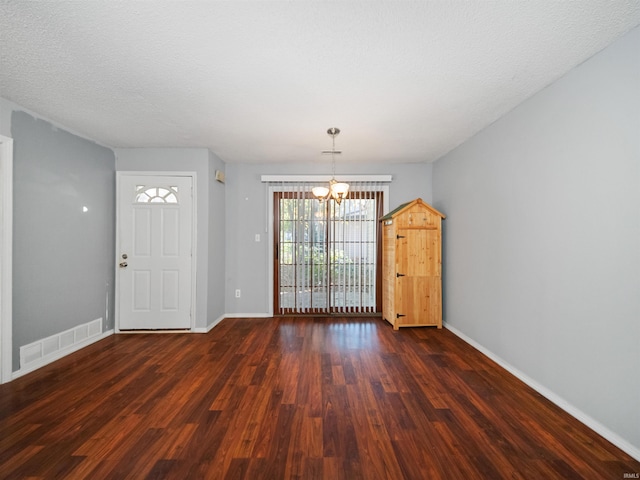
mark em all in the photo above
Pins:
pixel 326 254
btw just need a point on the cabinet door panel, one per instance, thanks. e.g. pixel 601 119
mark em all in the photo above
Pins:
pixel 418 253
pixel 418 300
pixel 418 288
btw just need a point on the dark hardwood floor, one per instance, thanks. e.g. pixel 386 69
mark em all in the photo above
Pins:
pixel 297 397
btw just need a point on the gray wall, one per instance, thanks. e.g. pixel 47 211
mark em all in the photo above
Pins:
pixel 247 263
pixel 63 258
pixel 542 238
pixel 209 208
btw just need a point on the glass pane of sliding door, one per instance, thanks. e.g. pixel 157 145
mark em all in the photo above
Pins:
pixel 302 254
pixel 353 255
pixel 326 254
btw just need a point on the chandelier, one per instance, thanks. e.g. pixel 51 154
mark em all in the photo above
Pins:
pixel 336 190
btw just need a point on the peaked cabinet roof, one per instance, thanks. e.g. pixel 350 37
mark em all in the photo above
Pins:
pixel 406 206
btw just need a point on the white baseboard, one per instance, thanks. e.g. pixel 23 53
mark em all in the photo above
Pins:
pixel 47 350
pixel 230 315
pixel 593 424
pixel 248 315
pixel 210 326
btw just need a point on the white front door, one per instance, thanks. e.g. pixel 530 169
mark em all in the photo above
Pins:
pixel 154 252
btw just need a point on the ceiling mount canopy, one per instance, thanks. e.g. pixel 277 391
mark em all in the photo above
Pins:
pixel 336 190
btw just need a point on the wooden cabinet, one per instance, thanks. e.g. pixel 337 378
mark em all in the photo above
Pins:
pixel 412 266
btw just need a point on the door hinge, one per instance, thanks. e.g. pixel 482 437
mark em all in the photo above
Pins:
pixel 399 275
pixel 400 236
pixel 398 315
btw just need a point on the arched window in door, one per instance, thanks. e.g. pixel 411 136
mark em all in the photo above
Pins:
pixel 147 194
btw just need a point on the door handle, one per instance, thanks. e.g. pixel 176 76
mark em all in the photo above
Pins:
pixel 123 264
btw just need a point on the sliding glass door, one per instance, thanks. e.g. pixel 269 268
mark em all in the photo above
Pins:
pixel 326 254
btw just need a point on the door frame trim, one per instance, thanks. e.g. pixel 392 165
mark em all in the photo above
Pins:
pixel 194 243
pixel 6 259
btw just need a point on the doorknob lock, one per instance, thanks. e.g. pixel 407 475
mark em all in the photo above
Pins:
pixel 123 264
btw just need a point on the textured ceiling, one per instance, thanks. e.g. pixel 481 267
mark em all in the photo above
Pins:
pixel 262 81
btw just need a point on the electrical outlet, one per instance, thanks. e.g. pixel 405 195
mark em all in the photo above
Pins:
pixel 257 237
pixel 238 293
